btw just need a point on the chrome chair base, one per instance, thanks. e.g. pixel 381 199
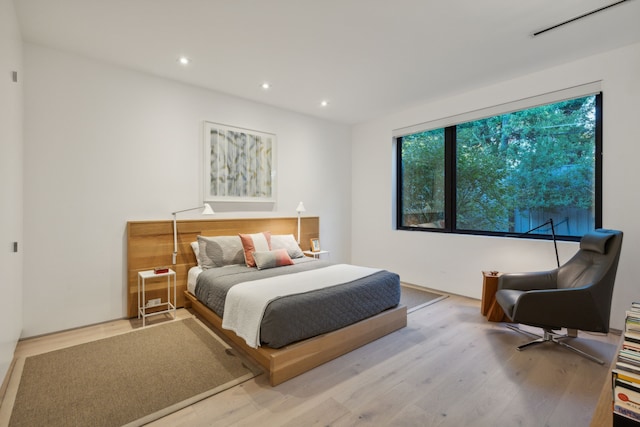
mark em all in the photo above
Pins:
pixel 550 336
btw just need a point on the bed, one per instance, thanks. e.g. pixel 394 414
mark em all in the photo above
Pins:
pixel 305 313
pixel 307 342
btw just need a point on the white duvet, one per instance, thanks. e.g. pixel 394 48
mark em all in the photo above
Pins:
pixel 246 302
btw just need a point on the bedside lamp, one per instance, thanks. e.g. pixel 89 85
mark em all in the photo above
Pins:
pixel 300 209
pixel 206 210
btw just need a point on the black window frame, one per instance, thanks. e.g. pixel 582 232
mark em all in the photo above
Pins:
pixel 450 185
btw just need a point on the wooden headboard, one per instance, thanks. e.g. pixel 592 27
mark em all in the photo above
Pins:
pixel 150 244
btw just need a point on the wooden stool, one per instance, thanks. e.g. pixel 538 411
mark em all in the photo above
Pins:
pixel 489 306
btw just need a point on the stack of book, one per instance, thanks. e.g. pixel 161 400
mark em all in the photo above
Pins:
pixel 626 375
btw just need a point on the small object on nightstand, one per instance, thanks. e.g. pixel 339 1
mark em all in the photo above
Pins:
pixel 160 270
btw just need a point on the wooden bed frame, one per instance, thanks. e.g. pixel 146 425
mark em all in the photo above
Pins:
pixel 290 361
pixel 150 244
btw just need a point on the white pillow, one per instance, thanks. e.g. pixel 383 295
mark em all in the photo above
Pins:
pixel 196 250
pixel 288 242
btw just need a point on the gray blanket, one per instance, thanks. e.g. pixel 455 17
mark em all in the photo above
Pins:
pixel 300 316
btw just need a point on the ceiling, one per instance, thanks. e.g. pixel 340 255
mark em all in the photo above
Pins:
pixel 367 58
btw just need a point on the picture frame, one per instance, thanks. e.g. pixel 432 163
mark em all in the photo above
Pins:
pixel 315 245
pixel 239 164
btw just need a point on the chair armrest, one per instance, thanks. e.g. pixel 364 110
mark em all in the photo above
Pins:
pixel 529 281
pixel 573 308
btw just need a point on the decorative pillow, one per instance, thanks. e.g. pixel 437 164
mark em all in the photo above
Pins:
pixel 258 242
pixel 288 242
pixel 270 259
pixel 196 249
pixel 219 251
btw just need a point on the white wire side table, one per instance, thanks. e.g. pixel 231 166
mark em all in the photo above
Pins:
pixel 144 306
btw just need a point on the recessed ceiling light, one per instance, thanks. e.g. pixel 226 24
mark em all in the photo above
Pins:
pixel 266 85
pixel 324 103
pixel 183 60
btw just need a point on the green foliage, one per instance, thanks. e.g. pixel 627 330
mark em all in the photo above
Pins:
pixel 537 159
pixel 423 175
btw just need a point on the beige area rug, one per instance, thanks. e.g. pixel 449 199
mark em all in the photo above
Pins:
pixel 129 379
pixel 415 297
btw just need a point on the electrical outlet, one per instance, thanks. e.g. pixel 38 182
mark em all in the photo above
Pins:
pixel 154 302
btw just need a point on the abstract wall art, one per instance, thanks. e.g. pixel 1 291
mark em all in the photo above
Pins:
pixel 238 164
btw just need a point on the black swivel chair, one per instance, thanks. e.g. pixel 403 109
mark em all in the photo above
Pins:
pixel 577 295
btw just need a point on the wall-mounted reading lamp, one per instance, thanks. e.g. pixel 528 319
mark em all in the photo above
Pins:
pixel 300 209
pixel 206 210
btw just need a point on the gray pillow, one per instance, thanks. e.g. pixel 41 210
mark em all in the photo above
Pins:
pixel 219 251
pixel 288 242
pixel 271 259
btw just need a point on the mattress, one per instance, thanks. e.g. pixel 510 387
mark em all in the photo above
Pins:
pixel 300 316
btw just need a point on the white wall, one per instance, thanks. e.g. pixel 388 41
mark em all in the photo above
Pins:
pixel 104 145
pixel 10 184
pixel 453 263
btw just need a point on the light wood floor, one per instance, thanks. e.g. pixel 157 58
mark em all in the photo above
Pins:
pixel 448 367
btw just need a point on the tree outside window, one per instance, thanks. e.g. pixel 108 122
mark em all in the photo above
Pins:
pixel 507 173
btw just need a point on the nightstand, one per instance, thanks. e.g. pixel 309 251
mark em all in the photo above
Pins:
pixel 144 305
pixel 316 254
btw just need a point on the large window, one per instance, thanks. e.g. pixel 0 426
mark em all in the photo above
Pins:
pixel 506 174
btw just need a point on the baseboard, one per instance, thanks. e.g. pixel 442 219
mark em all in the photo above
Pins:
pixel 5 382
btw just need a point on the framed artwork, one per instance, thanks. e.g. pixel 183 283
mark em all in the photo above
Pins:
pixel 239 164
pixel 315 245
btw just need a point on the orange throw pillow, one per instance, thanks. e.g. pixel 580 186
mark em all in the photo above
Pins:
pixel 258 242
